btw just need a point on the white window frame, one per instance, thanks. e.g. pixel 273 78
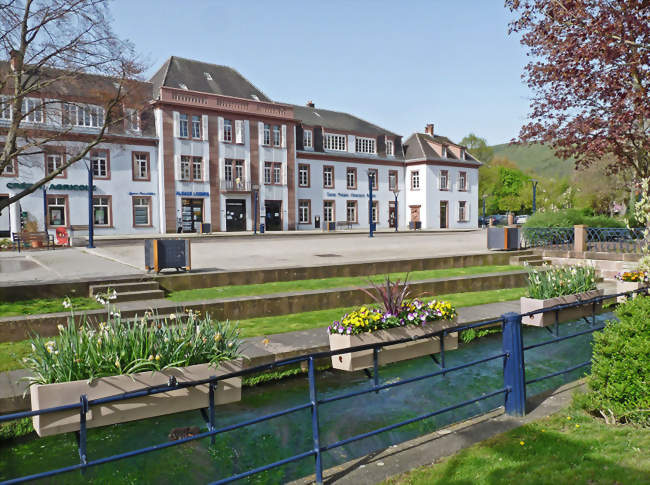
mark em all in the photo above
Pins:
pixel 462 211
pixel 57 203
pixel 141 161
pixel 277 173
pixel 97 160
pixel 277 136
pixel 303 175
pixel 335 142
pixel 5 108
pixel 33 109
pixel 132 119
pixel 351 175
pixel 136 206
pixel 197 162
pixel 328 211
pixel 83 115
pixel 366 145
pixel 227 131
pixel 106 204
pixel 444 175
pixel 267 134
pixel 268 173
pixel 328 173
pixel 185 171
pixel 351 210
pixel 307 140
pixel 462 177
pixel 239 131
pixel 196 127
pixel 415 180
pixel 390 148
pixel 304 216
pixel 10 169
pixel 375 211
pixel 57 158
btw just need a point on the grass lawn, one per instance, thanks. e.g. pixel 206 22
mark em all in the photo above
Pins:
pixel 11 353
pixel 328 283
pixel 568 447
pixel 45 305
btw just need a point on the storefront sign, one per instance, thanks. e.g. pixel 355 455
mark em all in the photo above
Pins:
pixel 193 194
pixel 342 194
pixel 26 185
pixel 142 193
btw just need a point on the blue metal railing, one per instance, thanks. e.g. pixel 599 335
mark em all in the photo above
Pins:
pixel 619 240
pixel 548 237
pixel 513 389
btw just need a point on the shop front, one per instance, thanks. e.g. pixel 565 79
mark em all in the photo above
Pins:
pixel 235 215
pixel 191 214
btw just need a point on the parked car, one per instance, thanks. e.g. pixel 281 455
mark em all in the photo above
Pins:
pixel 498 219
pixel 522 219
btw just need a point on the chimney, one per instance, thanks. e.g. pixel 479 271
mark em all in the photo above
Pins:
pixel 14 58
pixel 428 129
pixel 310 104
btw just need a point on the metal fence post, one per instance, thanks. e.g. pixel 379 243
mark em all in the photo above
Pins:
pixel 314 421
pixel 514 371
pixel 82 429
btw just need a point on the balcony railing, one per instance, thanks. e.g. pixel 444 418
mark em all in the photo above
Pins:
pixel 236 185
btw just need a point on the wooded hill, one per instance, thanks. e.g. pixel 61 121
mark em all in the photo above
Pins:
pixel 535 158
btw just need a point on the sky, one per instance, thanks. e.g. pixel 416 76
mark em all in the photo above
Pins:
pixel 398 64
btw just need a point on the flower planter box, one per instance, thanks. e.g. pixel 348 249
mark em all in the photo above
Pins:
pixel 622 286
pixel 409 350
pixel 565 315
pixel 51 395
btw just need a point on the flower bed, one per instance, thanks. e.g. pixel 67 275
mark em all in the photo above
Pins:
pixel 121 356
pixel 410 320
pixel 630 281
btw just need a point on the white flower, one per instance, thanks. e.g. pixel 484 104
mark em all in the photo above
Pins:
pixel 66 303
pixel 60 327
pixel 113 295
pixel 172 316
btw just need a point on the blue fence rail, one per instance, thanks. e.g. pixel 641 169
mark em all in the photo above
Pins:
pixel 618 240
pixel 513 390
pixel 561 238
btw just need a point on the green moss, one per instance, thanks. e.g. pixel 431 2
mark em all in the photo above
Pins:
pixel 46 305
pixel 15 429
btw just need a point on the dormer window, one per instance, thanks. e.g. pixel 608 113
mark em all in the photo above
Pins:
pixel 182 86
pixel 132 119
pixel 390 150
pixel 255 97
pixel 366 145
pixel 208 77
pixel 444 152
pixel 32 110
pixel 335 142
pixel 307 139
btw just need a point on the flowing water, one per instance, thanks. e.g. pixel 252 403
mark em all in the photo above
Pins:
pixel 240 450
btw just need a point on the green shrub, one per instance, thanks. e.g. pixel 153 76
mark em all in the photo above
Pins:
pixel 619 384
pixel 560 280
pixel 571 217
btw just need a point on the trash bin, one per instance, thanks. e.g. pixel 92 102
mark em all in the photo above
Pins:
pixel 262 227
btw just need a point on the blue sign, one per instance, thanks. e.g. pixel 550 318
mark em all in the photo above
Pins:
pixel 193 194
pixel 342 194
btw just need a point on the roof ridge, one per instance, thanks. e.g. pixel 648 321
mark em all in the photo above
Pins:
pixel 380 128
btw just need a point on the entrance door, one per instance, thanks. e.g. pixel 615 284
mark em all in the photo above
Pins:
pixel 5 228
pixel 192 214
pixel 415 213
pixel 391 214
pixel 444 214
pixel 273 209
pixel 235 215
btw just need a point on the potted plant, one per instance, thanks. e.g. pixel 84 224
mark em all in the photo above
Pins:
pixel 559 285
pixel 396 320
pixel 121 356
pixel 630 281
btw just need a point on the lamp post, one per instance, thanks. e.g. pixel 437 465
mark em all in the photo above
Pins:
pixel 484 219
pixel 371 178
pixel 535 182
pixel 256 211
pixel 395 193
pixel 91 221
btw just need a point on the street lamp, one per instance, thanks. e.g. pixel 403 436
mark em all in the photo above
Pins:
pixel 256 210
pixel 485 196
pixel 371 178
pixel 395 193
pixel 535 182
pixel 91 220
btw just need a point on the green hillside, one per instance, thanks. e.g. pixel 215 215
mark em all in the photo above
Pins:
pixel 535 158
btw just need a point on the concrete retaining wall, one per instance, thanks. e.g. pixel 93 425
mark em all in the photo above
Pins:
pixel 607 264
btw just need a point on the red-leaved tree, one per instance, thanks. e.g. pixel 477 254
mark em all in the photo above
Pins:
pixel 589 72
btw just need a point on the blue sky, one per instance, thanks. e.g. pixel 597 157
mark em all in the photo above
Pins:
pixel 399 64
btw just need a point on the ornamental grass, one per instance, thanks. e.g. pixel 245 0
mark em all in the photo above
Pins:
pixel 120 346
pixel 554 281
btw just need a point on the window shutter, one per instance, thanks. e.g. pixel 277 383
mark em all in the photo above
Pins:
pixel 177 122
pixel 260 132
pixel 177 166
pixel 204 128
pixel 300 142
pixel 458 211
pixel 239 135
pixel 284 136
pixel 351 144
pixel 467 215
pixel 220 127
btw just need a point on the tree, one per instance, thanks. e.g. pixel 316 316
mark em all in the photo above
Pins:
pixel 589 73
pixel 55 47
pixel 478 147
pixel 507 188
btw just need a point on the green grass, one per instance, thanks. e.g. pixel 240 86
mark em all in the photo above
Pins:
pixel 11 353
pixel 46 305
pixel 569 447
pixel 327 283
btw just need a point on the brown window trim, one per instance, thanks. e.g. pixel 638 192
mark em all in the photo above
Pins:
pixel 333 209
pixel 133 170
pixel 446 187
pixel 189 125
pixel 49 150
pixel 110 211
pixel 333 178
pixel 375 179
pixel 133 197
pixel 232 131
pixel 356 211
pixel 396 173
pixel 192 179
pixel 308 211
pixel 279 145
pixel 464 189
pixel 273 165
pixel 96 151
pixel 11 175
pixel 270 143
pixel 356 178
pixel 308 167
pixel 411 181
pixel 67 209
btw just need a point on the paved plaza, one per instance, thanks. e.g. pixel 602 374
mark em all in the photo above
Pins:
pixel 113 258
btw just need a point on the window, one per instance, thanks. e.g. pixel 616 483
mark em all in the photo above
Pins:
pixel 142 211
pixel 132 119
pixel 227 130
pixel 375 178
pixel 276 136
pixel 5 108
pixel 273 173
pixel 32 110
pixel 306 139
pixel 239 131
pixel 277 173
pixel 141 166
pixel 197 168
pixel 196 126
pixel 351 177
pixel 304 211
pixel 390 150
pixel 351 211
pixel 83 115
pixel 100 163
pixel 328 177
pixel 53 162
pixel 234 172
pixel 303 175
pixel 268 168
pixel 102 211
pixel 183 129
pixel 10 170
pixel 328 211
pixel 462 211
pixel 267 134
pixel 239 170
pixel 444 180
pixel 366 145
pixel 335 142
pixel 185 167
pixel 462 181
pixel 415 180
pixel 375 211
pixel 392 180
pixel 444 152
pixel 56 211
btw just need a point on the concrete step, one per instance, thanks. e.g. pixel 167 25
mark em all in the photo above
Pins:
pixel 139 295
pixel 124 287
pixel 524 258
pixel 536 262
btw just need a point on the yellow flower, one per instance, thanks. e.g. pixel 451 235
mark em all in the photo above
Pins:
pixel 150 357
pixel 157 356
pixel 217 337
pixel 522 443
pixel 577 425
pixel 568 417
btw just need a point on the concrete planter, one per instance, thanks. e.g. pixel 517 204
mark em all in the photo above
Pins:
pixel 51 395
pixel 622 286
pixel 394 353
pixel 566 315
